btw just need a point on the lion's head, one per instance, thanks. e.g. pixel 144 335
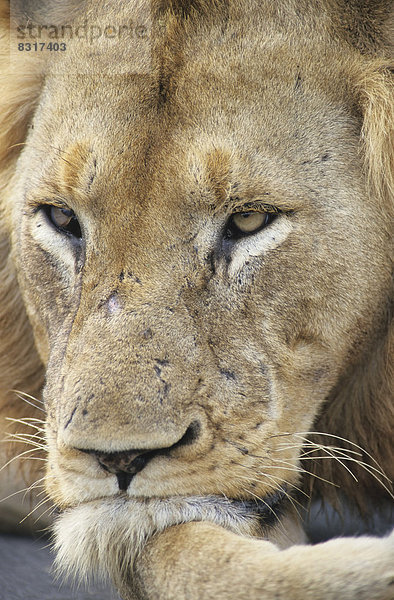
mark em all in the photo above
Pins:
pixel 203 245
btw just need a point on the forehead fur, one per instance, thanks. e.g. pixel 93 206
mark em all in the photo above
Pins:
pixel 190 96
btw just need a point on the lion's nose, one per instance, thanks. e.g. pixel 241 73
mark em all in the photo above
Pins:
pixel 126 463
pixel 122 461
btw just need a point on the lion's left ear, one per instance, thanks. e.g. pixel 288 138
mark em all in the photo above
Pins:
pixel 368 26
pixel 374 87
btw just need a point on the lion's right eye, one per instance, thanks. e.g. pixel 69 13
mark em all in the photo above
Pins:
pixel 64 220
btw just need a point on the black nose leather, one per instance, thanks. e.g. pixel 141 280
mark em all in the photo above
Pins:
pixel 130 461
pixel 124 464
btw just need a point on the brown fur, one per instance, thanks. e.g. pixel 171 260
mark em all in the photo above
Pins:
pixel 155 325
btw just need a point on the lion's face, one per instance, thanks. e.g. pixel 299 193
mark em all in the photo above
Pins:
pixel 196 263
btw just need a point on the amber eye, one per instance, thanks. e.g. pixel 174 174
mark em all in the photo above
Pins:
pixel 64 220
pixel 247 223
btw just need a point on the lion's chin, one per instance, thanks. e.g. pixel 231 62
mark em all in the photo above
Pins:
pixel 103 537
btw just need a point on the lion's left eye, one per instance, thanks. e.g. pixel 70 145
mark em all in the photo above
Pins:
pixel 247 223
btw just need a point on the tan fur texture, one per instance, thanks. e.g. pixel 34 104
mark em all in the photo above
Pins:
pixel 241 368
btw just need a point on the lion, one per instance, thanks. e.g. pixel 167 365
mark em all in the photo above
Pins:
pixel 196 259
